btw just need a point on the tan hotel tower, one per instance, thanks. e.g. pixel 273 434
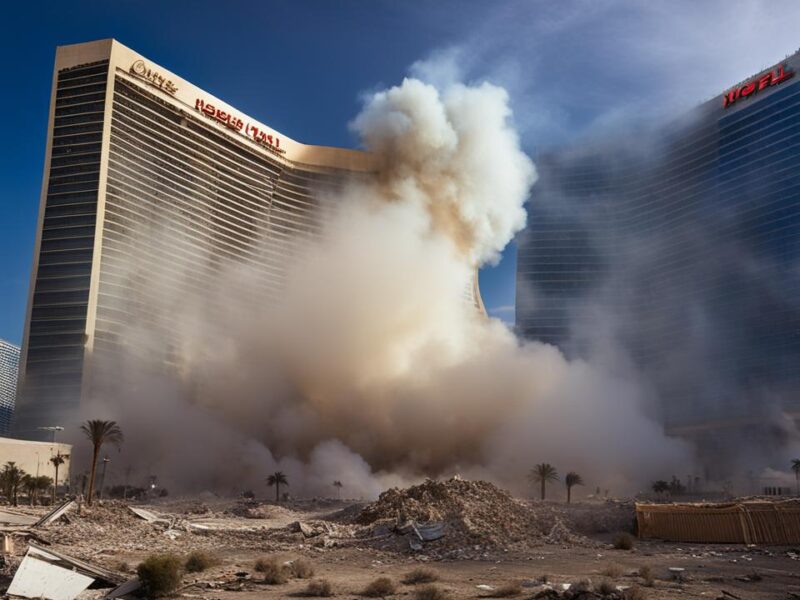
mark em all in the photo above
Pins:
pixel 133 147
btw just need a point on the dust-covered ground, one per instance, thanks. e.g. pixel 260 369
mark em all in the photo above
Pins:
pixel 491 540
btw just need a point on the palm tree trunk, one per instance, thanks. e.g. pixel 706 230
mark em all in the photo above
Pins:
pixel 55 485
pixel 277 492
pixel 542 489
pixel 95 454
pixel 569 494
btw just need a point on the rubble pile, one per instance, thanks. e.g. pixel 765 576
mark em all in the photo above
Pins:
pixel 477 516
pixel 257 510
pixel 110 528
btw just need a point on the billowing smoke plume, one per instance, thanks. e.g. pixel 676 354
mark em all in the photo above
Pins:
pixel 371 366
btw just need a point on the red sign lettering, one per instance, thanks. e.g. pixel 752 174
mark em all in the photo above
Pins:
pixel 236 124
pixel 779 75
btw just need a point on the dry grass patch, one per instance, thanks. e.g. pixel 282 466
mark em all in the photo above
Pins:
pixel 612 570
pixel 198 561
pixel 379 588
pixel 319 588
pixel 508 590
pixel 646 573
pixel 274 572
pixel 623 541
pixel 301 569
pixel 634 593
pixel 420 575
pixel 605 588
pixel 160 575
pixel 430 592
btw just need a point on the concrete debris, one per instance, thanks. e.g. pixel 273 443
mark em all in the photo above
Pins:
pixel 147 515
pixel 45 573
pixel 124 589
pixel 55 514
pixel 560 534
pixel 466 519
pixel 14 519
pixel 307 530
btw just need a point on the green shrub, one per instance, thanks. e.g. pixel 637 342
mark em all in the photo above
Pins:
pixel 301 569
pixel 320 588
pixel 274 573
pixel 420 575
pixel 160 575
pixel 623 541
pixel 379 588
pixel 198 561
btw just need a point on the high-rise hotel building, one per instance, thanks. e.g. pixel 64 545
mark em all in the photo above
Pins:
pixel 684 242
pixel 144 168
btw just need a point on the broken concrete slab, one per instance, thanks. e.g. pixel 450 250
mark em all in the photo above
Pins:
pixel 52 576
pixel 55 514
pixel 8 517
pixel 147 515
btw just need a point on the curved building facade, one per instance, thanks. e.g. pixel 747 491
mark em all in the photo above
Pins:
pixel 144 168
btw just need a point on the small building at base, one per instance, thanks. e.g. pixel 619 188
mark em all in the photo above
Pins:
pixel 34 457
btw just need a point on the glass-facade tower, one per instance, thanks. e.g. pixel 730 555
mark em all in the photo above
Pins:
pixel 684 241
pixel 9 372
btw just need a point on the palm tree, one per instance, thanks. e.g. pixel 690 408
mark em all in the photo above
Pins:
pixel 29 487
pixel 277 479
pixel 542 473
pixel 100 432
pixel 338 485
pixel 57 460
pixel 796 469
pixel 33 485
pixel 570 480
pixel 660 486
pixel 11 478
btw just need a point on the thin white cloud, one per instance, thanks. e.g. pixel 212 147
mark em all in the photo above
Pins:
pixel 573 67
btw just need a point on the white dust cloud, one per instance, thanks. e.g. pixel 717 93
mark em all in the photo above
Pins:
pixel 371 366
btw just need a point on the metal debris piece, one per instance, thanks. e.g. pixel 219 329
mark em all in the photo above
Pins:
pixel 425 532
pixel 123 589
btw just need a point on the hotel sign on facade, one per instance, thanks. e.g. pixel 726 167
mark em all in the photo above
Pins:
pixel 140 69
pixel 749 88
pixel 235 123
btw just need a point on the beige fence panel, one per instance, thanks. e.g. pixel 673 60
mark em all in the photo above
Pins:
pixel 732 523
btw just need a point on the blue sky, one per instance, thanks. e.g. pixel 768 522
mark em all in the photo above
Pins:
pixel 572 68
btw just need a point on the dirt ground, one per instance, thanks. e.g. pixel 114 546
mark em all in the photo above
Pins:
pixel 490 539
pixel 710 571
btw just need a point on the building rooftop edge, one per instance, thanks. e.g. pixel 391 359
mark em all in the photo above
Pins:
pixel 70 55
